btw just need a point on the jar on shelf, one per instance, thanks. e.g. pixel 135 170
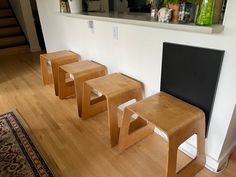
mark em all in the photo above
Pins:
pixel 185 12
pixel 205 13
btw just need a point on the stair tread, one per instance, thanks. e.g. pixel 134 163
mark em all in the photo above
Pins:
pixel 10 31
pixel 4 5
pixel 12 41
pixel 6 13
pixel 9 21
pixel 15 50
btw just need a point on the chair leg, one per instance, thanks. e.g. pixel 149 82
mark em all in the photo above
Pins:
pixel 55 70
pixel 46 76
pixel 55 67
pixel 171 159
pixel 201 157
pixel 64 89
pixel 79 81
pixel 128 138
pixel 78 94
pixel 139 94
pixel 196 164
pixel 113 122
pixel 91 108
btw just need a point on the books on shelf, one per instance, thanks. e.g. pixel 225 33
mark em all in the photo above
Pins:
pixel 70 6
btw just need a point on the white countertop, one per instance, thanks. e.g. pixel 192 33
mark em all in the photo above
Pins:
pixel 144 19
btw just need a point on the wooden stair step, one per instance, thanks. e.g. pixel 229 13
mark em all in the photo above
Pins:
pixel 9 31
pixel 4 22
pixel 12 41
pixel 4 4
pixel 6 13
pixel 15 50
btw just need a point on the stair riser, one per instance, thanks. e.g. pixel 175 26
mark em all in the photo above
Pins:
pixel 12 41
pixel 15 50
pixel 6 13
pixel 4 32
pixel 8 22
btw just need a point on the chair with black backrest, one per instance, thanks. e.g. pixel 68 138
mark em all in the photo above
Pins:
pixel 183 107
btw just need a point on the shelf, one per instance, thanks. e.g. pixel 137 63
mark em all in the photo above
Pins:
pixel 144 19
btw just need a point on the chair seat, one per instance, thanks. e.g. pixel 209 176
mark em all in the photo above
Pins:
pixel 59 55
pixel 82 68
pixel 55 59
pixel 166 112
pixel 113 84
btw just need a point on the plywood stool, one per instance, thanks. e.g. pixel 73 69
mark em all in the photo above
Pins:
pixel 55 59
pixel 80 72
pixel 177 119
pixel 116 89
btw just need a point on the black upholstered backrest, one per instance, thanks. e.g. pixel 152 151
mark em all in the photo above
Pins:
pixel 191 74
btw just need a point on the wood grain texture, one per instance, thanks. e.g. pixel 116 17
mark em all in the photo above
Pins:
pixel 116 89
pixel 78 148
pixel 177 119
pixel 80 71
pixel 56 59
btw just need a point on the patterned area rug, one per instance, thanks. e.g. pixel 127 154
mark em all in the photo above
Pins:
pixel 18 155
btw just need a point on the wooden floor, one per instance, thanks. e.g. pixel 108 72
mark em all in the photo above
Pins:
pixel 74 147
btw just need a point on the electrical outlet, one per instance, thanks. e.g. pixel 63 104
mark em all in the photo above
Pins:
pixel 115 32
pixel 91 25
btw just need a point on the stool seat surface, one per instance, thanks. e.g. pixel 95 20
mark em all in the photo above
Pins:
pixel 59 54
pixel 113 84
pixel 82 67
pixel 167 112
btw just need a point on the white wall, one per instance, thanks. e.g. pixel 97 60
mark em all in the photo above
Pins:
pixel 22 9
pixel 138 53
pixel 230 137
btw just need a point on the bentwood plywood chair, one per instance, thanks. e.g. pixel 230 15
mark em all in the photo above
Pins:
pixel 55 59
pixel 116 89
pixel 79 72
pixel 188 84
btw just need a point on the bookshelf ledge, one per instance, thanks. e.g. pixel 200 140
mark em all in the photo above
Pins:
pixel 143 19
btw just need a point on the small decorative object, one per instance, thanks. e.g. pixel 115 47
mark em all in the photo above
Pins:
pixel 64 6
pixel 175 11
pixel 174 5
pixel 153 9
pixel 205 12
pixel 164 15
pixel 184 12
pixel 153 12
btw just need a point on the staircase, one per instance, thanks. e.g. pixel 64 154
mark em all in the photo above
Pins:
pixel 12 39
